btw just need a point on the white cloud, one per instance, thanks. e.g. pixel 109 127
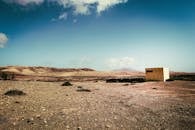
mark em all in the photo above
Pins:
pixel 82 7
pixel 105 4
pixel 3 40
pixel 63 16
pixel 124 62
pixel 24 2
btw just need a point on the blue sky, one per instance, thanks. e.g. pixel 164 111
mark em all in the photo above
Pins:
pixel 99 34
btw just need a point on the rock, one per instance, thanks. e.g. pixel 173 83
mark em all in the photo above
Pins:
pixel 14 123
pixel 38 116
pixel 79 128
pixel 45 121
pixel 108 126
pixel 29 121
pixel 32 119
pixel 17 102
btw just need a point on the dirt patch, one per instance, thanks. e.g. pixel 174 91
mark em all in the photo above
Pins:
pixel 114 106
pixel 2 119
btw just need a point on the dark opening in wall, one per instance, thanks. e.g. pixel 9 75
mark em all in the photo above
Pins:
pixel 149 71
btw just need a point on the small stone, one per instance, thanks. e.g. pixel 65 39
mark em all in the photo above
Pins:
pixel 108 126
pixel 79 128
pixel 38 116
pixel 28 120
pixel 45 121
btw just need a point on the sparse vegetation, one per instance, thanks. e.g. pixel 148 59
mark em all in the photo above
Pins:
pixel 14 92
pixel 81 89
pixel 66 84
pixel 125 84
pixel 170 79
pixel 185 77
pixel 126 80
pixel 6 76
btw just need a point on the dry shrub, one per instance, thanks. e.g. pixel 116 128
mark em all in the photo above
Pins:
pixel 67 84
pixel 14 92
pixel 83 90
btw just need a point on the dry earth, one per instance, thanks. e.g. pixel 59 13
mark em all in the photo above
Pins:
pixel 113 106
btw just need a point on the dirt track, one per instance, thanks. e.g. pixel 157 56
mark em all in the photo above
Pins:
pixel 114 106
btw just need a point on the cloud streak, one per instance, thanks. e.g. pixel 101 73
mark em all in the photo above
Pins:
pixel 3 40
pixel 24 2
pixel 62 16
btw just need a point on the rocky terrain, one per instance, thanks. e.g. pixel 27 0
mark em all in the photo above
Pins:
pixel 97 105
pixel 84 99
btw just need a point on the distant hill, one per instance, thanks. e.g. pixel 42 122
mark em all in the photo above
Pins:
pixel 39 70
pixel 60 74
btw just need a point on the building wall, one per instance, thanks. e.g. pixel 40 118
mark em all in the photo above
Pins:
pixel 166 74
pixel 158 74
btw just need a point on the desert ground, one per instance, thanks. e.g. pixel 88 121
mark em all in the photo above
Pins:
pixel 112 106
pixel 92 103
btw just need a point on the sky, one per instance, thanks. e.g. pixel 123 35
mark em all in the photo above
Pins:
pixel 98 34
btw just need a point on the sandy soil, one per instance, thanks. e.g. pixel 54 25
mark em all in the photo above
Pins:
pixel 113 106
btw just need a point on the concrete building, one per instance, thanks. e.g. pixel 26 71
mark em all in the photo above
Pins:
pixel 157 74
